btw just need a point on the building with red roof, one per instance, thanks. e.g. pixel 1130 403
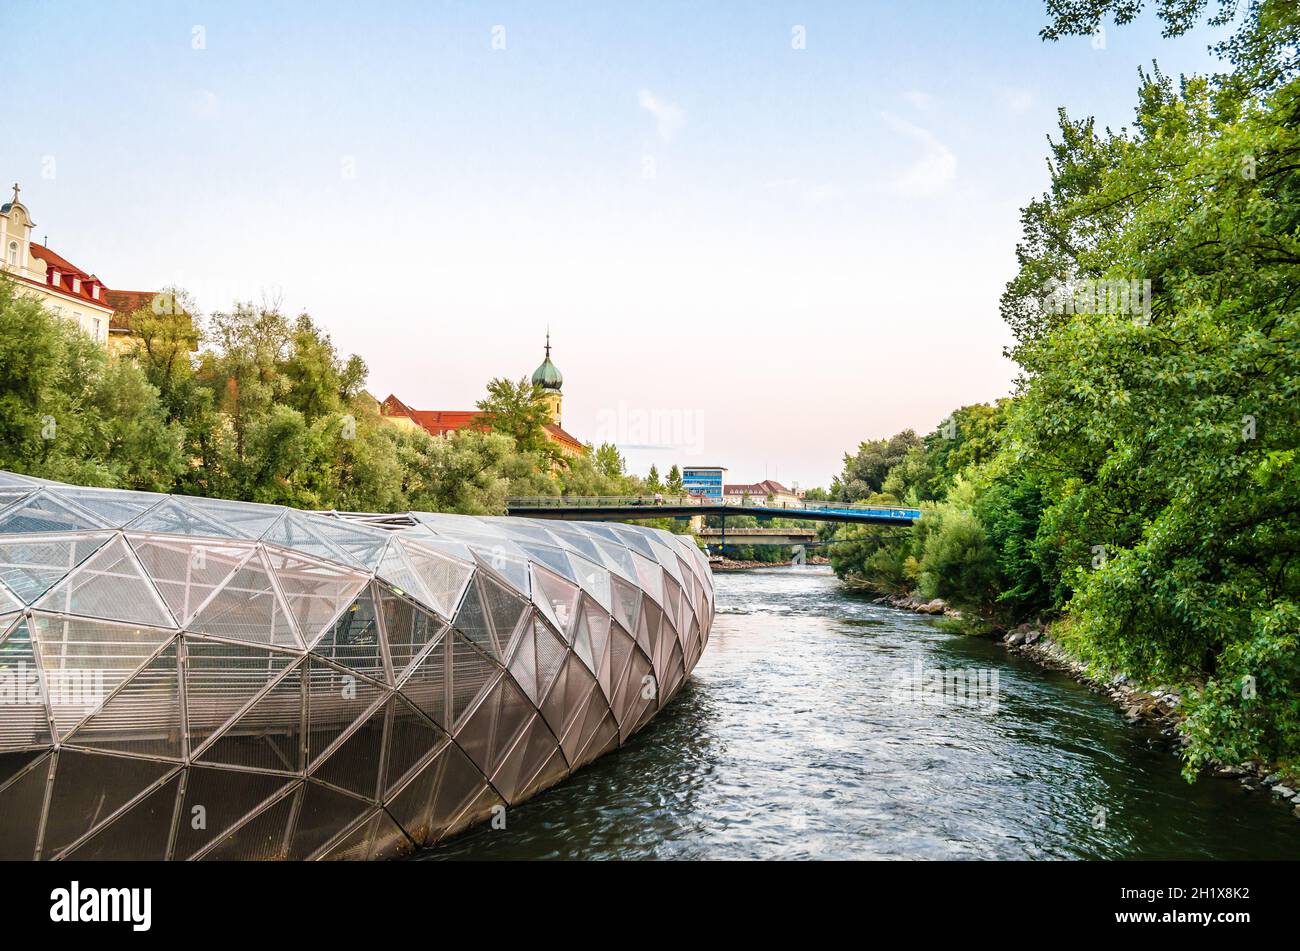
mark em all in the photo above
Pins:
pixel 66 290
pixel 440 422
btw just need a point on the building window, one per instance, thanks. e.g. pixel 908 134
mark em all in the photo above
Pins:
pixel 13 253
pixel 97 322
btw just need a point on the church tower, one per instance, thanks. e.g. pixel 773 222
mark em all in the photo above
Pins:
pixel 548 377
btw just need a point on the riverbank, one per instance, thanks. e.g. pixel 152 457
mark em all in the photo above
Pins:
pixel 728 564
pixel 1158 706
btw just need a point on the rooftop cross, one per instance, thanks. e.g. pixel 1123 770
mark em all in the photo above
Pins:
pixel 16 190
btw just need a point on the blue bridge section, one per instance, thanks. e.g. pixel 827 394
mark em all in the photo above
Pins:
pixel 626 509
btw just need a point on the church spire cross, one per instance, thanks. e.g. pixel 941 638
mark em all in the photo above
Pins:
pixel 16 190
pixel 548 343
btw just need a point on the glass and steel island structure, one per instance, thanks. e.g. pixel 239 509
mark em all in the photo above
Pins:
pixel 193 678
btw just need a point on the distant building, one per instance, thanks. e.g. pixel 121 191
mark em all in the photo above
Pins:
pixel 704 481
pixel 768 489
pixel 440 422
pixel 63 288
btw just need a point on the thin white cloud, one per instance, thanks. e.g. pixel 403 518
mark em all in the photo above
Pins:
pixel 936 168
pixel 668 118
pixel 204 104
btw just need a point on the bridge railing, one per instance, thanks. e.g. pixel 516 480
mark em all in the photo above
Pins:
pixel 649 501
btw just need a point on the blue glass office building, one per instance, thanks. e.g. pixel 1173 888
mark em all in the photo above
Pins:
pixel 704 480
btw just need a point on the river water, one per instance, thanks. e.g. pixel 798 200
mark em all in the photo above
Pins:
pixel 814 727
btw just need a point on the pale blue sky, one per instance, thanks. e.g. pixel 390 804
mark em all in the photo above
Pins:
pixel 754 254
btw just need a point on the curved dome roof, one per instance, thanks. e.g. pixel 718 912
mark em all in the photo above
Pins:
pixel 548 376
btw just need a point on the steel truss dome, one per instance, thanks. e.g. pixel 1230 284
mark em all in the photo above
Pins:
pixel 190 678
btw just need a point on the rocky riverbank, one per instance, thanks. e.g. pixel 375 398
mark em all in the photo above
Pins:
pixel 728 564
pixel 1158 706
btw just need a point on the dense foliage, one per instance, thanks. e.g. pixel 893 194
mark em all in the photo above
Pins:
pixel 248 404
pixel 1143 485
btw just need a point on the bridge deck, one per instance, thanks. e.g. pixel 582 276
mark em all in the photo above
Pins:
pixel 594 509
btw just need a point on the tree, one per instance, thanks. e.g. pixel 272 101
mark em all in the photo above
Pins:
pixel 674 484
pixel 652 482
pixel 608 461
pixel 864 472
pixel 516 410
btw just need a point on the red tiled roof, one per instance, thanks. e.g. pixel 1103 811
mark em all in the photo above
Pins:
pixel 121 303
pixel 126 303
pixel 439 422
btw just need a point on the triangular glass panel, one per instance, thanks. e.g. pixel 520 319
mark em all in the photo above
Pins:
pixel 268 735
pixel 460 787
pixel 176 517
pixel 143 717
pixel 634 540
pixel 568 697
pixel 260 839
pixel 298 531
pixel 668 558
pixel 506 609
pixel 110 585
pixel 522 762
pixel 141 834
pixel 316 591
pixel 84 661
pixel 426 685
pixel 593 628
pixel 25 721
pixel 627 602
pixel 444 578
pixel 336 700
pixel 353 640
pixel 554 558
pixel 618 560
pixel 489 731
pixel 186 572
pixel 248 520
pixel 323 813
pixel 471 620
pixel 354 764
pixel 247 608
pixel 594 580
pixel 397 571
pixel 471 672
pixel 45 512
pixel 22 798
pixel 513 570
pixel 582 722
pixel 362 544
pixel 651 577
pixel 408 628
pixel 216 799
pixel 411 738
pixel 30 565
pixel 220 679
pixel 410 805
pixel 115 507
pixel 88 787
pixel 557 599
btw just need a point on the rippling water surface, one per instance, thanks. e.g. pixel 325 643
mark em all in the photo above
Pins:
pixel 799 735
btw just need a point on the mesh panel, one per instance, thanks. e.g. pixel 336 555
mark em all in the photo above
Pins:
pixel 409 629
pixel 627 602
pixel 470 674
pixel 353 641
pixel 43 512
pixel 513 570
pixel 215 800
pixel 21 801
pixel 410 738
pixel 178 518
pixel 444 578
pixel 24 721
pixel 427 684
pixel 324 812
pixel 143 717
pixel 397 571
pixel 634 540
pixel 221 679
pixel 651 577
pixel 266 736
pixel 141 834
pixel 32 564
pixel 354 764
pixel 557 599
pixel 260 839
pixel 114 507
pixel 471 620
pixel 315 591
pixel 186 572
pixel 335 700
pixel 90 787
pixel 109 585
pixel 84 661
pixel 492 728
pixel 296 530
pixel 247 608
pixel 363 545
pixel 593 579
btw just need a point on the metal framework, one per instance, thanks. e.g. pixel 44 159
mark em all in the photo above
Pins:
pixel 187 678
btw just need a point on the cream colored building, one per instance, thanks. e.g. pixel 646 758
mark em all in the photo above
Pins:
pixel 65 289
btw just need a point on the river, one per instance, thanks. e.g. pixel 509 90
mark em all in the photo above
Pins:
pixel 802 734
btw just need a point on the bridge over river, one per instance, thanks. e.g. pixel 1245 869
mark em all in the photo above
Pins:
pixel 628 508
